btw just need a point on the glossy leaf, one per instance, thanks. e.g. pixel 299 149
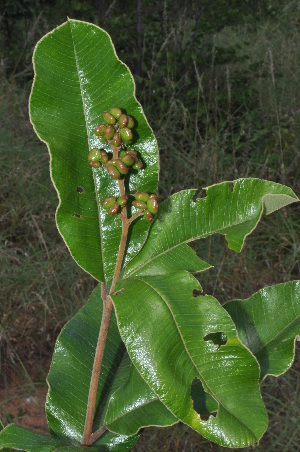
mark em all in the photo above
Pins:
pixel 21 439
pixel 166 330
pixel 268 323
pixel 134 406
pixel 70 374
pixel 78 76
pixel 234 213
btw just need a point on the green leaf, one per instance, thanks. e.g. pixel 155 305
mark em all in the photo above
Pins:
pixel 268 323
pixel 78 76
pixel 134 406
pixel 234 213
pixel 169 337
pixel 70 375
pixel 21 439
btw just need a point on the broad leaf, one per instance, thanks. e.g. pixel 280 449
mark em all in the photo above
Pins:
pixel 69 380
pixel 268 323
pixel 234 213
pixel 78 76
pixel 169 335
pixel 21 439
pixel 127 413
pixel 70 375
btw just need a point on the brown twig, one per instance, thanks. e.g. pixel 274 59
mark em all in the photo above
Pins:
pixel 89 437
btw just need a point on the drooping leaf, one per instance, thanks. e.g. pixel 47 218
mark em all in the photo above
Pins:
pixel 234 213
pixel 70 375
pixel 19 438
pixel 78 76
pixel 268 323
pixel 127 413
pixel 169 337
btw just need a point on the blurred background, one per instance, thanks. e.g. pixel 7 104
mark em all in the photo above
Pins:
pixel 219 84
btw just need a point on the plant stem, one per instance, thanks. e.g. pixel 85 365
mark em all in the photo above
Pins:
pixel 107 310
pixel 89 437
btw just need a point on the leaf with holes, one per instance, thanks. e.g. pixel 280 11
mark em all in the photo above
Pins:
pixel 232 213
pixel 78 76
pixel 169 336
pixel 268 323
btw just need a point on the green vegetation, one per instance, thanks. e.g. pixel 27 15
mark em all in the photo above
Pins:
pixel 220 87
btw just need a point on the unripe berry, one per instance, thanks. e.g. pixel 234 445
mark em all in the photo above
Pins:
pixel 114 209
pixel 94 164
pixel 130 122
pixel 103 139
pixel 132 152
pixel 103 157
pixel 116 112
pixel 109 132
pixel 113 171
pixel 121 166
pixel 142 196
pixel 138 165
pixel 108 202
pixel 126 135
pixel 128 159
pixel 94 155
pixel 100 130
pixel 155 197
pixel 123 120
pixel 117 139
pixel 148 216
pixel 122 153
pixel 152 205
pixel 139 204
pixel 108 117
pixel 122 200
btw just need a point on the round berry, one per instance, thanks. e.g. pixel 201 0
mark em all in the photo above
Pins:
pixel 122 121
pixel 108 202
pixel 100 130
pixel 103 157
pixel 142 196
pixel 94 164
pixel 122 200
pixel 114 209
pixel 116 112
pixel 122 168
pixel 148 216
pixel 139 204
pixel 117 139
pixel 128 159
pixel 113 171
pixel 94 155
pixel 108 117
pixel 109 132
pixel 152 205
pixel 130 122
pixel 138 165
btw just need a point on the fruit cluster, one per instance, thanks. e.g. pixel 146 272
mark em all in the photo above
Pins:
pixel 117 132
pixel 117 127
pixel 143 201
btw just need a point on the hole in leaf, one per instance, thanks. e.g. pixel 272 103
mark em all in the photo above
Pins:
pixel 217 339
pixel 203 403
pixel 201 193
pixel 80 189
pixel 77 215
pixel 196 293
pixel 231 186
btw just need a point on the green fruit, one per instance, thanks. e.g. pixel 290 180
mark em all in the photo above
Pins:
pixel 117 139
pixel 121 166
pixel 152 205
pixel 103 139
pixel 109 118
pixel 126 135
pixel 122 153
pixel 123 120
pixel 108 202
pixel 100 130
pixel 116 112
pixel 132 152
pixel 139 204
pixel 142 196
pixel 138 165
pixel 155 197
pixel 128 159
pixel 103 157
pixel 109 132
pixel 94 164
pixel 94 155
pixel 122 200
pixel 114 209
pixel 113 171
pixel 130 122
pixel 148 216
